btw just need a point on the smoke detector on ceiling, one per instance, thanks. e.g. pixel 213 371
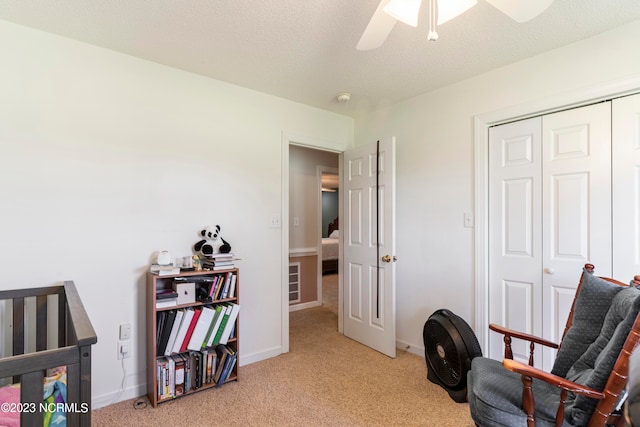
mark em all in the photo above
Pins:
pixel 343 97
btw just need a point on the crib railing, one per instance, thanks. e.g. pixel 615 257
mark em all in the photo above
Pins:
pixel 73 350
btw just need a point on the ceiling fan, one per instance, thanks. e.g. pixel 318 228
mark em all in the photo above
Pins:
pixel 440 11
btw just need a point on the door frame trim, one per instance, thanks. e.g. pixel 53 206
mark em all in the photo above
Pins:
pixel 481 125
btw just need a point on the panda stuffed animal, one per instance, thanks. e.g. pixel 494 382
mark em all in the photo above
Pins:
pixel 211 242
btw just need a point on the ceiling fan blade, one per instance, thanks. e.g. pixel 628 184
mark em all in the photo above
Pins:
pixel 377 30
pixel 519 10
pixel 404 11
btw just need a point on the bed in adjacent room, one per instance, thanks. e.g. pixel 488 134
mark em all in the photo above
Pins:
pixel 330 249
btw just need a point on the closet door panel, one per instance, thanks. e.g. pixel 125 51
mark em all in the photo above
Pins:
pixel 515 233
pixel 576 206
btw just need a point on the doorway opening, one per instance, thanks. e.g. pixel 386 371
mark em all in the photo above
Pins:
pixel 313 213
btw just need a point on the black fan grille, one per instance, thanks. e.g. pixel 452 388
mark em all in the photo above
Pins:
pixel 442 354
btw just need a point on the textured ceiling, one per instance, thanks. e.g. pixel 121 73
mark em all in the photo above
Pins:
pixel 304 50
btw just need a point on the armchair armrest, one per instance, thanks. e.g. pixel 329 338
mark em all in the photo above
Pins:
pixel 532 339
pixel 521 335
pixel 528 372
pixel 563 383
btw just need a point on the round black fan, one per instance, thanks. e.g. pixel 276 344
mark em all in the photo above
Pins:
pixel 449 347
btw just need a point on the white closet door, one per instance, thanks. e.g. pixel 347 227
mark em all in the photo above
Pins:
pixel 550 213
pixel 515 224
pixel 576 206
pixel 626 187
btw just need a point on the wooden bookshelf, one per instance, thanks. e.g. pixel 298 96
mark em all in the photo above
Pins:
pixel 154 375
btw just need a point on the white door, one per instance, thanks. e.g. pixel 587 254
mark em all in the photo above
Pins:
pixel 626 188
pixel 369 246
pixel 576 208
pixel 515 224
pixel 550 213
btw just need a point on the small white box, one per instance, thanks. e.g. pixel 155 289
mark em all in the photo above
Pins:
pixel 186 292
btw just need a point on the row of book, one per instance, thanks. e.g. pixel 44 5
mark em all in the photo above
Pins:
pixel 215 287
pixel 208 289
pixel 180 373
pixel 195 328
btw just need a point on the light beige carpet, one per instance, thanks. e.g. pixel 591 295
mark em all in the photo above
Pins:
pixel 330 292
pixel 325 380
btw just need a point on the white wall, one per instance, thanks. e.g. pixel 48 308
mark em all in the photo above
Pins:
pixel 106 159
pixel 435 165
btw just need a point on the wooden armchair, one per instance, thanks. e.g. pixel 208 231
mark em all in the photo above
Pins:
pixel 589 373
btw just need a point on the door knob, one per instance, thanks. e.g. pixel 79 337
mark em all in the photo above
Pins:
pixel 387 258
pixel 550 270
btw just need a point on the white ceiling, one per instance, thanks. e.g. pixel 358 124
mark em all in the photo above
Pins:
pixel 304 50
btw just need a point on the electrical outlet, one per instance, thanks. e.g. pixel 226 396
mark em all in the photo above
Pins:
pixel 125 331
pixel 123 350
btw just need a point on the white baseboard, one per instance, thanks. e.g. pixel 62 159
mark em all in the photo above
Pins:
pixel 247 359
pixel 118 396
pixel 304 305
pixel 410 348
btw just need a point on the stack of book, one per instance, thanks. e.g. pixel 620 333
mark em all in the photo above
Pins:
pixel 166 298
pixel 164 270
pixel 218 262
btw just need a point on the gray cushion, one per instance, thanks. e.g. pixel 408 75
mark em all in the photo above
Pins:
pixel 592 304
pixel 593 367
pixel 495 396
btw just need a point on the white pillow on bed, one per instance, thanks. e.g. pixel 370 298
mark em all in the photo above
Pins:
pixel 335 234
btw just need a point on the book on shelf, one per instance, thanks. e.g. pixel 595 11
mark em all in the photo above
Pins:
pixel 182 332
pixel 165 294
pixel 174 332
pixel 210 365
pixel 227 369
pixel 214 286
pixel 212 325
pixel 164 270
pixel 188 363
pixel 226 356
pixel 201 329
pixel 197 370
pixel 215 325
pixel 166 377
pixel 221 256
pixel 222 267
pixel 179 364
pixel 232 286
pixel 167 325
pixel 231 322
pixel 226 311
pixel 215 266
pixel 227 283
pixel 168 302
pixel 192 326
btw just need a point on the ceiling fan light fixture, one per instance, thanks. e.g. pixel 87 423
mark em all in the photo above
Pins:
pixel 449 9
pixel 404 11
